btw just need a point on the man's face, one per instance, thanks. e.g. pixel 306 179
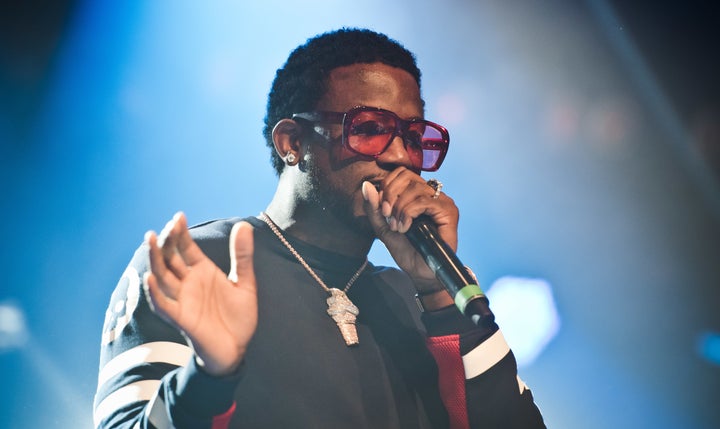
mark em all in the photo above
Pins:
pixel 336 175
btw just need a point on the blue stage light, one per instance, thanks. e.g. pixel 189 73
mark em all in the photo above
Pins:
pixel 13 329
pixel 526 312
pixel 709 347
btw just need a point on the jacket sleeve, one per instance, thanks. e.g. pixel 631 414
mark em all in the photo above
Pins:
pixel 478 379
pixel 148 377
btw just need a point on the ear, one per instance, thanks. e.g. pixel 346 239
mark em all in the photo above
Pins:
pixel 286 138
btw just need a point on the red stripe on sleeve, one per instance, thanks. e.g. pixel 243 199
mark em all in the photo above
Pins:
pixel 223 420
pixel 451 374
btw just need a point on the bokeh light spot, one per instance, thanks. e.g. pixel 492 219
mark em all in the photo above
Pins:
pixel 525 310
pixel 13 330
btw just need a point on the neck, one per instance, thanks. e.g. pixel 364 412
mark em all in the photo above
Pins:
pixel 316 225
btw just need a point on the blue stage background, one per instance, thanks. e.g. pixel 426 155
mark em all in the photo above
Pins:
pixel 581 158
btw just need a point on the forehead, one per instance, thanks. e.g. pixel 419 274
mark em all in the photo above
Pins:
pixel 375 85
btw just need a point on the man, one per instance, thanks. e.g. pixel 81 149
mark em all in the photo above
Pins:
pixel 279 320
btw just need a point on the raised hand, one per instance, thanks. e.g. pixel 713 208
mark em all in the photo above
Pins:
pixel 217 314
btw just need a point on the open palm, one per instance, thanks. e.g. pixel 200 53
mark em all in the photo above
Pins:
pixel 217 314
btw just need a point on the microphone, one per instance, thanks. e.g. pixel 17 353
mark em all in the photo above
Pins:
pixel 456 278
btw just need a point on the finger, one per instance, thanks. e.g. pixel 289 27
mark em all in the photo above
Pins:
pixel 391 186
pixel 167 280
pixel 394 208
pixel 164 234
pixel 444 215
pixel 397 187
pixel 177 265
pixel 157 260
pixel 408 210
pixel 371 197
pixel 415 194
pixel 186 246
pixel 159 302
pixel 242 272
pixel 371 205
pixel 417 199
pixel 396 244
pixel 168 242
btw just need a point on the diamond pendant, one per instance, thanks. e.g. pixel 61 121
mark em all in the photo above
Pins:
pixel 344 313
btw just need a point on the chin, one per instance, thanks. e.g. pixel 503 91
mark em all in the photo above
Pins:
pixel 362 225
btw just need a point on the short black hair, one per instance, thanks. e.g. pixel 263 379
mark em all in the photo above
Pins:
pixel 301 82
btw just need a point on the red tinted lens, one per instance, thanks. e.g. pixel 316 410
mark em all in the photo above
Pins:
pixel 434 147
pixel 369 132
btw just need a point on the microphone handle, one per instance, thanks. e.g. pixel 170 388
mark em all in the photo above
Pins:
pixel 443 261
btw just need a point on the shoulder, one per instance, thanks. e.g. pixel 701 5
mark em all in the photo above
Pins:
pixel 393 284
pixel 389 296
pixel 216 229
pixel 213 239
pixel 393 276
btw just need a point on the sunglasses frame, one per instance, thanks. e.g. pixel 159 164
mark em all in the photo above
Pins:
pixel 402 126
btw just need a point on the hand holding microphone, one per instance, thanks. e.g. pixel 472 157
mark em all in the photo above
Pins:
pixel 443 261
pixel 401 188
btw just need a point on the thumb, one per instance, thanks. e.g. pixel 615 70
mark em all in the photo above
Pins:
pixel 372 209
pixel 241 253
pixel 392 240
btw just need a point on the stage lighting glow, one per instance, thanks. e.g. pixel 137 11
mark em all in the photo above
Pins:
pixel 452 109
pixel 709 347
pixel 13 330
pixel 525 311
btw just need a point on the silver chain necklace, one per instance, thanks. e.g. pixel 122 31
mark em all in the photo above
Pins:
pixel 340 308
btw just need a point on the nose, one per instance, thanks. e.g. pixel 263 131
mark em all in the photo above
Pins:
pixel 397 154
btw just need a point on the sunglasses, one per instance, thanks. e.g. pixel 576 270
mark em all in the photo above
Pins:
pixel 370 130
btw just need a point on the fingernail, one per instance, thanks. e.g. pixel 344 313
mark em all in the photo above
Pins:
pixel 404 226
pixel 168 226
pixel 164 233
pixel 392 222
pixel 386 209
pixel 400 224
pixel 364 190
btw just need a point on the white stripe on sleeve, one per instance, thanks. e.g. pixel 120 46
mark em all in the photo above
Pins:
pixel 141 390
pixel 159 351
pixel 485 355
pixel 157 415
